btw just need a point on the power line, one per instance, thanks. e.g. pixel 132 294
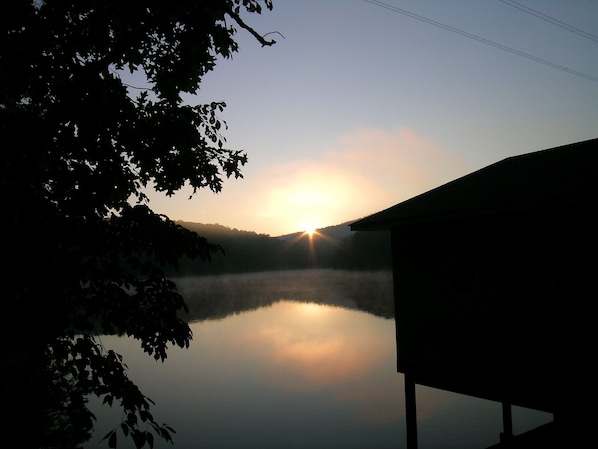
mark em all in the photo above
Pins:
pixel 549 19
pixel 481 39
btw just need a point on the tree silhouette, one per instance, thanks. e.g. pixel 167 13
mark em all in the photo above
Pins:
pixel 83 253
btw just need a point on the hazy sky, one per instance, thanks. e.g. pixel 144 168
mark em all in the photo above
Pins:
pixel 360 107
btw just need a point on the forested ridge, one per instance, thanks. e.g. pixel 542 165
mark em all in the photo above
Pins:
pixel 330 247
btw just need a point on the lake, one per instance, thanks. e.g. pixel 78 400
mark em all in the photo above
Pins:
pixel 297 359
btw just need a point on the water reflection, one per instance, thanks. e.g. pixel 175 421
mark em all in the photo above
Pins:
pixel 319 345
pixel 293 372
pixel 320 376
pixel 216 297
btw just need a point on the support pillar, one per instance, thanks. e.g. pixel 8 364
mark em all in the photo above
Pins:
pixel 507 423
pixel 411 412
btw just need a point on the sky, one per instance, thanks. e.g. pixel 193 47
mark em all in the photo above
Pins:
pixel 361 104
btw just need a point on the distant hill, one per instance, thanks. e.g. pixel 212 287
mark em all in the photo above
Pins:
pixel 339 231
pixel 331 247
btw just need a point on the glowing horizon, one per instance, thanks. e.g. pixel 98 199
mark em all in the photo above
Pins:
pixel 363 172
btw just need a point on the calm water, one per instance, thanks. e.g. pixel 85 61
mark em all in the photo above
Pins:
pixel 296 360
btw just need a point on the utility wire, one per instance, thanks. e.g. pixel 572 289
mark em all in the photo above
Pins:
pixel 549 19
pixel 481 39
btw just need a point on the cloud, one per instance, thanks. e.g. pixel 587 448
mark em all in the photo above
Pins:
pixel 398 162
pixel 361 173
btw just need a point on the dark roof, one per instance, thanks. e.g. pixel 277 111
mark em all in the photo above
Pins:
pixel 547 178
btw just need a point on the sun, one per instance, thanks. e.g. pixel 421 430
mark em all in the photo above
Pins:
pixel 309 229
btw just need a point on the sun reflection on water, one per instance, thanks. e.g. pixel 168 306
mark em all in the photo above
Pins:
pixel 314 345
pixel 311 309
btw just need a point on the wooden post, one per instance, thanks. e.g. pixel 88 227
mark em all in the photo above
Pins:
pixel 507 423
pixel 411 412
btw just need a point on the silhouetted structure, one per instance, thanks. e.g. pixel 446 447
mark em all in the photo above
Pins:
pixel 494 280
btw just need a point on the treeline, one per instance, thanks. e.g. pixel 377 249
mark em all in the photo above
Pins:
pixel 333 247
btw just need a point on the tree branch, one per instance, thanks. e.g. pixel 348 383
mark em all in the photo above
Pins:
pixel 254 33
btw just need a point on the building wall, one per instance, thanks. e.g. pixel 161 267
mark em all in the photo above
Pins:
pixel 476 304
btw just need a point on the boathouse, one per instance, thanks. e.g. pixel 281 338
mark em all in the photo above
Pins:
pixel 495 282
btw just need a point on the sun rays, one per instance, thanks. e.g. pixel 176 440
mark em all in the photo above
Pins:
pixel 310 243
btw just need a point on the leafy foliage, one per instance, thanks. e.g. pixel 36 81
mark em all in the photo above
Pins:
pixel 79 146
